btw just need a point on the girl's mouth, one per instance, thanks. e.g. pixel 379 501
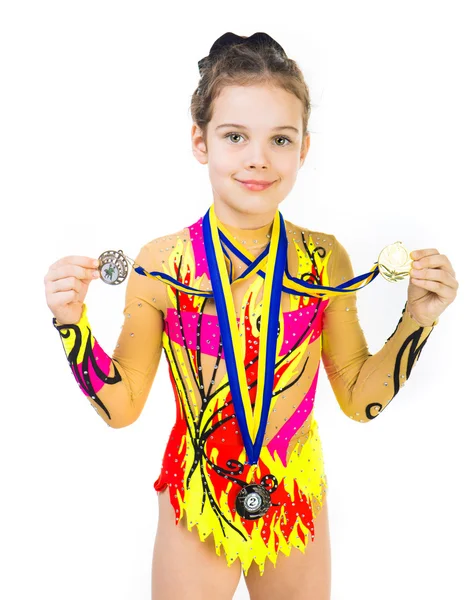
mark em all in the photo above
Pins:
pixel 255 187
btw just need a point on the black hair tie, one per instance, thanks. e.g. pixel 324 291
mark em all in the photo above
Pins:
pixel 257 39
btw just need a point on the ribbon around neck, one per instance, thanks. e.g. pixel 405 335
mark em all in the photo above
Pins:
pixel 290 284
pixel 252 425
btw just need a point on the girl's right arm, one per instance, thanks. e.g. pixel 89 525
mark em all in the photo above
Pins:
pixel 117 386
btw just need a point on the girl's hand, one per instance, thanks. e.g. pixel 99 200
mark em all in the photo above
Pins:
pixel 66 283
pixel 432 286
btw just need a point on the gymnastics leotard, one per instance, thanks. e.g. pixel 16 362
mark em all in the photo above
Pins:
pixel 204 463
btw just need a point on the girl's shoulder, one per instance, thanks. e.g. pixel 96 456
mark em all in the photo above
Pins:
pixel 170 241
pixel 334 254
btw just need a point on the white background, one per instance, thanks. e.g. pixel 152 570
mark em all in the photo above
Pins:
pixel 95 154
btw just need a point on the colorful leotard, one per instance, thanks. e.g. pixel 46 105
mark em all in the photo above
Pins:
pixel 204 463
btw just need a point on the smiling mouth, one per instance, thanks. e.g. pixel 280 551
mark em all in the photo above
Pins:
pixel 255 186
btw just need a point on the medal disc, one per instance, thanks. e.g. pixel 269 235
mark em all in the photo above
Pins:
pixel 113 267
pixel 394 262
pixel 253 501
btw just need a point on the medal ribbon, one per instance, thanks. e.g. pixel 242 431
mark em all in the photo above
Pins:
pixel 290 285
pixel 293 285
pixel 252 425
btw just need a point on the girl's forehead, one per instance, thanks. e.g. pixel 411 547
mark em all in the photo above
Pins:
pixel 265 90
pixel 236 104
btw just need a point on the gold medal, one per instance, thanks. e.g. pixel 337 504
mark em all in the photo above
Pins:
pixel 394 262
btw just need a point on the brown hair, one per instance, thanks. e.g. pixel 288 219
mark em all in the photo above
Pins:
pixel 242 64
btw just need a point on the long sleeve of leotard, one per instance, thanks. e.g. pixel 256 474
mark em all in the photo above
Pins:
pixel 118 386
pixel 364 383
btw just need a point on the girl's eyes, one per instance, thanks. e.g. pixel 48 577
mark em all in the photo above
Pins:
pixel 281 137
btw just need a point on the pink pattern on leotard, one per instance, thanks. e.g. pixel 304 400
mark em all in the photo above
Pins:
pixel 210 333
pixel 281 441
pixel 296 322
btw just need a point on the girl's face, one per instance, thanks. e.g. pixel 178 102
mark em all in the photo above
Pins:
pixel 255 133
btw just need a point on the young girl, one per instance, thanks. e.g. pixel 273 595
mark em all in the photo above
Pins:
pixel 244 305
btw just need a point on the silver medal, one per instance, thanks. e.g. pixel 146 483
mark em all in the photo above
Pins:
pixel 113 267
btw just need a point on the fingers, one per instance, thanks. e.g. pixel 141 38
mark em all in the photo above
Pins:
pixel 66 284
pixel 418 254
pixel 435 280
pixel 67 280
pixel 435 275
pixel 65 297
pixel 441 290
pixel 431 258
pixel 83 261
pixel 73 271
pixel 81 267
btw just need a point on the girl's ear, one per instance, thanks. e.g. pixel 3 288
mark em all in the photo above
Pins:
pixel 305 148
pixel 199 146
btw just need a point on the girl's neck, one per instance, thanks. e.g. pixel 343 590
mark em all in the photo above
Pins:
pixel 245 225
pixel 251 239
pixel 254 237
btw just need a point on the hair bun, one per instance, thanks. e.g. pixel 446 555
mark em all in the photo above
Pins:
pixel 258 39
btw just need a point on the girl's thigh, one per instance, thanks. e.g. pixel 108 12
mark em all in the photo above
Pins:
pixel 298 576
pixel 184 567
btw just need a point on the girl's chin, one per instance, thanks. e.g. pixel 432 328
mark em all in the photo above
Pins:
pixel 253 201
pixel 252 206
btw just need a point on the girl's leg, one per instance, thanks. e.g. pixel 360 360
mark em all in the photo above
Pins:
pixel 184 567
pixel 298 576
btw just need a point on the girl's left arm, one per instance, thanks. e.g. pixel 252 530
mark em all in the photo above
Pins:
pixel 364 383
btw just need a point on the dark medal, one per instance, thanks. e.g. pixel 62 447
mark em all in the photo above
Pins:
pixel 113 267
pixel 253 501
